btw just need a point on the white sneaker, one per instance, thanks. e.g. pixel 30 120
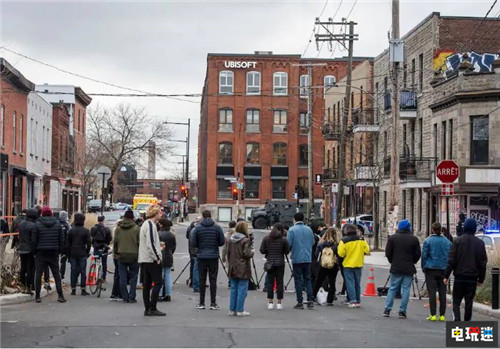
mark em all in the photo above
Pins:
pixel 279 306
pixel 232 313
pixel 352 305
pixel 243 313
pixel 270 306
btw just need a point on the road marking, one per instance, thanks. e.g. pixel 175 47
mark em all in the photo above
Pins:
pixel 10 322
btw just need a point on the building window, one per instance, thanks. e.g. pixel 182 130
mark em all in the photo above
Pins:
pixel 404 204
pixel 253 153
pixel 385 144
pixel 421 72
pixel 280 121
pixel 2 122
pixel 279 188
pixel 155 186
pixel 225 153
pixel 304 84
pixel 14 129
pixel 224 189
pixel 304 185
pixel 253 83
pixel 413 74
pixel 328 82
pixel 280 87
pixel 479 140
pixel 303 123
pixel 279 154
pixel 451 140
pixel 303 155
pixel 405 76
pixel 253 124
pixel 435 136
pixel 421 143
pixel 443 140
pixel 225 120
pixel 251 189
pixel 226 81
pixel 21 132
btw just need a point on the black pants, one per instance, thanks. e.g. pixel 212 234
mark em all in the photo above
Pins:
pixel 434 281
pixel 116 281
pixel 42 261
pixel 463 289
pixel 151 272
pixel 191 265
pixel 315 265
pixel 78 269
pixel 46 274
pixel 64 260
pixel 344 287
pixel 27 274
pixel 276 273
pixel 331 274
pixel 210 266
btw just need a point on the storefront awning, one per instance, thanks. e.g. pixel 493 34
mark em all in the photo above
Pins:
pixel 14 170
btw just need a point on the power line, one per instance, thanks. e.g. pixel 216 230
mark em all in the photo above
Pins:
pixel 355 2
pixel 312 33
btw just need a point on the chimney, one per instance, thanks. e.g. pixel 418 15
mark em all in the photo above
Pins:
pixel 151 160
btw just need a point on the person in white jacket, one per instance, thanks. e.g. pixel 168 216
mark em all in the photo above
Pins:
pixel 150 260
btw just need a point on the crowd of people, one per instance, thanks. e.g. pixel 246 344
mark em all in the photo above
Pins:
pixel 143 255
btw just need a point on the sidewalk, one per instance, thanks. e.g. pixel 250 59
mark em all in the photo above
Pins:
pixel 17 298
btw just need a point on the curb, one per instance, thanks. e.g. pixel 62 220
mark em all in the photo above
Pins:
pixel 19 298
pixel 480 308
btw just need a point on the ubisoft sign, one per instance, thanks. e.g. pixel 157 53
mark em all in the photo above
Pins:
pixel 237 64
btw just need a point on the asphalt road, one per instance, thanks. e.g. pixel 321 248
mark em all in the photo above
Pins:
pixel 93 322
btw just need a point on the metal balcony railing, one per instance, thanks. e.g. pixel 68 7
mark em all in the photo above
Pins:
pixel 331 132
pixel 413 168
pixel 407 100
pixel 330 174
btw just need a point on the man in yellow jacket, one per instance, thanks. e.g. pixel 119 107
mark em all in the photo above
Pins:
pixel 353 249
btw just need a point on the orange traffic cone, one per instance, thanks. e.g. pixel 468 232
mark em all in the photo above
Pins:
pixel 370 290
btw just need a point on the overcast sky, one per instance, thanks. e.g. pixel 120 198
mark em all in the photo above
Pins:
pixel 161 46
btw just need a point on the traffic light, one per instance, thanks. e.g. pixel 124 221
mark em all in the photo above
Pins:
pixel 235 194
pixel 242 193
pixel 110 186
pixel 183 190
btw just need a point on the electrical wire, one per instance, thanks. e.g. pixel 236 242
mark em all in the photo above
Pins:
pixel 313 32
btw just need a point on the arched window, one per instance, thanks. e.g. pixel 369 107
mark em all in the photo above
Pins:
pixel 226 82
pixel 303 154
pixel 253 83
pixel 225 153
pixel 253 153
pixel 280 84
pixel 279 154
pixel 328 82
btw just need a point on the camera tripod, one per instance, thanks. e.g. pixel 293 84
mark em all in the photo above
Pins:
pixel 189 263
pixel 414 284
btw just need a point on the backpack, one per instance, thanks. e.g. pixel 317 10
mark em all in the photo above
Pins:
pixel 327 258
pixel 100 235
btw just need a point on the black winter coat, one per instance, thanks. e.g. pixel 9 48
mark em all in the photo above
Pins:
pixel 467 258
pixel 49 235
pixel 27 232
pixel 403 251
pixel 207 237
pixel 78 242
pixel 275 247
pixel 101 236
pixel 65 227
pixel 168 238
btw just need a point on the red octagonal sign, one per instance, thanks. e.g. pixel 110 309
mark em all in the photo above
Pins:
pixel 447 171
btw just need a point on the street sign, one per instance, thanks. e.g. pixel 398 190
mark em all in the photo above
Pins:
pixel 335 187
pixel 447 171
pixel 295 195
pixel 239 185
pixel 447 189
pixel 187 185
pixel 319 179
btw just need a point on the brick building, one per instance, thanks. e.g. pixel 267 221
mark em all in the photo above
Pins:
pixel 254 127
pixel 164 189
pixel 14 90
pixel 360 173
pixel 432 49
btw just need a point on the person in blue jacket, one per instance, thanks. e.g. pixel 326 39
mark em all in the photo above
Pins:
pixel 434 260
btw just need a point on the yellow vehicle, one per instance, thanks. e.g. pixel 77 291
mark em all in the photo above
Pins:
pixel 143 201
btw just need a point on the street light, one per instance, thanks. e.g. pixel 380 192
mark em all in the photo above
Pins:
pixel 188 124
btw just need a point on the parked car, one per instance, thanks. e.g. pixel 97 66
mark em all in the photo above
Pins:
pixel 95 205
pixel 279 211
pixel 491 239
pixel 121 206
pixel 366 220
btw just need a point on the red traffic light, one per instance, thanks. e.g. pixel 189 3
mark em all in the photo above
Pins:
pixel 235 190
pixel 183 187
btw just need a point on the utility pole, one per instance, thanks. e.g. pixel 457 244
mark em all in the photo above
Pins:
pixel 394 195
pixel 187 151
pixel 341 38
pixel 239 175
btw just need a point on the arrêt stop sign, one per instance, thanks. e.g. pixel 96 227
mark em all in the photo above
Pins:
pixel 447 171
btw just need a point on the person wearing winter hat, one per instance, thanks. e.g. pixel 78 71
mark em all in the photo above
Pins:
pixel 402 252
pixel 467 261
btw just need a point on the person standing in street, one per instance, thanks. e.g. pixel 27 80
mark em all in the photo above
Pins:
pixel 101 238
pixel 63 219
pixel 48 245
pixel 402 252
pixel 301 240
pixel 27 231
pixel 467 260
pixel 194 281
pixel 232 226
pixel 78 248
pixel 207 237
pixel 434 260
pixel 150 258
pixel 327 251
pixel 126 251
pixel 115 291
pixel 239 253
pixel 168 245
pixel 460 224
pixel 275 247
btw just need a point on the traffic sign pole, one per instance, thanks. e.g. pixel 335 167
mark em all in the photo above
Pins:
pixel 447 171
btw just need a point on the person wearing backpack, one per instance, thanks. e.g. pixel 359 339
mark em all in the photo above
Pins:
pixel 275 247
pixel 101 238
pixel 329 268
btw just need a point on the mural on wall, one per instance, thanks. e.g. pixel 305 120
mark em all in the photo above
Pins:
pixel 484 221
pixel 446 62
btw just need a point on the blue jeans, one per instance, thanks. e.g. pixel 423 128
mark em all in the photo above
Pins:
pixel 239 290
pixel 104 262
pixel 196 280
pixel 398 282
pixel 353 283
pixel 125 269
pixel 302 279
pixel 78 268
pixel 167 280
